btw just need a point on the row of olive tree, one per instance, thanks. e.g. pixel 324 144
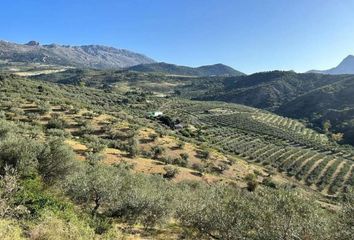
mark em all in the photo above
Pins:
pixel 218 211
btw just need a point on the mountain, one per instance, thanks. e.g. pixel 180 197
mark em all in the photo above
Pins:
pixel 203 71
pixel 267 90
pixel 89 56
pixel 312 97
pixel 345 67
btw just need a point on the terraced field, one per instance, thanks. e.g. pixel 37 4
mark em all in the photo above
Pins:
pixel 257 136
pixel 270 140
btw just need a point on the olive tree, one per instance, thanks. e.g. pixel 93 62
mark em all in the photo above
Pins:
pixel 97 185
pixel 19 153
pixel 56 160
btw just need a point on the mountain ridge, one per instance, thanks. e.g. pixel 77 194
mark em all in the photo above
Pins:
pixel 86 56
pixel 173 69
pixel 346 66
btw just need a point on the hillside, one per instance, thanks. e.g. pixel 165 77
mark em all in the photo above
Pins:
pixel 312 97
pixel 91 164
pixel 203 71
pixel 89 56
pixel 250 128
pixel 345 67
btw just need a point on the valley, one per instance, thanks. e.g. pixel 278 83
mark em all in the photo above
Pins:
pixel 162 142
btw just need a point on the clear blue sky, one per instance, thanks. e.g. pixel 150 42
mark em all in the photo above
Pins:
pixel 249 35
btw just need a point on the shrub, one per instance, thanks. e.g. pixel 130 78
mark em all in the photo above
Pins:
pixel 43 108
pixel 170 172
pixel 204 154
pixel 153 136
pixel 94 185
pixel 32 116
pixel 180 145
pixel 181 161
pixel 222 212
pixel 269 182
pixel 9 186
pixel 20 153
pixel 166 160
pixel 145 200
pixel 94 144
pixel 220 168
pixel 57 123
pixel 198 167
pixel 55 161
pixel 54 227
pixel 10 230
pixel 157 151
pixel 54 132
pixel 2 115
pixel 87 128
pixel 251 182
pixel 133 147
pixel 93 158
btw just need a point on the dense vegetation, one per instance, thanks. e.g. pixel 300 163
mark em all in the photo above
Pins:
pixel 50 189
pixel 30 207
pixel 203 71
pixel 315 98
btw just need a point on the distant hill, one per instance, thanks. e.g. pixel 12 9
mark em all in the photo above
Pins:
pixel 310 96
pixel 90 56
pixel 203 71
pixel 345 67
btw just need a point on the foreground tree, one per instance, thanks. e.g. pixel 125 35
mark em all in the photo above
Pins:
pixel 94 185
pixel 221 212
pixel 55 161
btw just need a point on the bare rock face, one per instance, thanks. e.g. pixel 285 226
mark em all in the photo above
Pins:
pixel 90 56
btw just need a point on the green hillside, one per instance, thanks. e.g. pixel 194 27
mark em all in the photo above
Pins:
pixel 203 71
pixel 92 163
pixel 315 98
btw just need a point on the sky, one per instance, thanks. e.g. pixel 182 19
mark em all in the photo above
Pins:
pixel 248 35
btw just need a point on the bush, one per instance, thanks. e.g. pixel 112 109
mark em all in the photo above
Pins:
pixel 145 200
pixel 20 153
pixel 157 151
pixel 43 108
pixel 170 172
pixel 95 185
pixel 180 145
pixel 94 144
pixel 153 136
pixel 10 230
pixel 57 123
pixel 198 167
pixel 2 115
pixel 269 182
pixel 55 161
pixel 133 147
pixel 93 158
pixel 222 212
pixel 9 187
pixel 181 161
pixel 54 227
pixel 251 182
pixel 204 154
pixel 53 132
pixel 166 160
